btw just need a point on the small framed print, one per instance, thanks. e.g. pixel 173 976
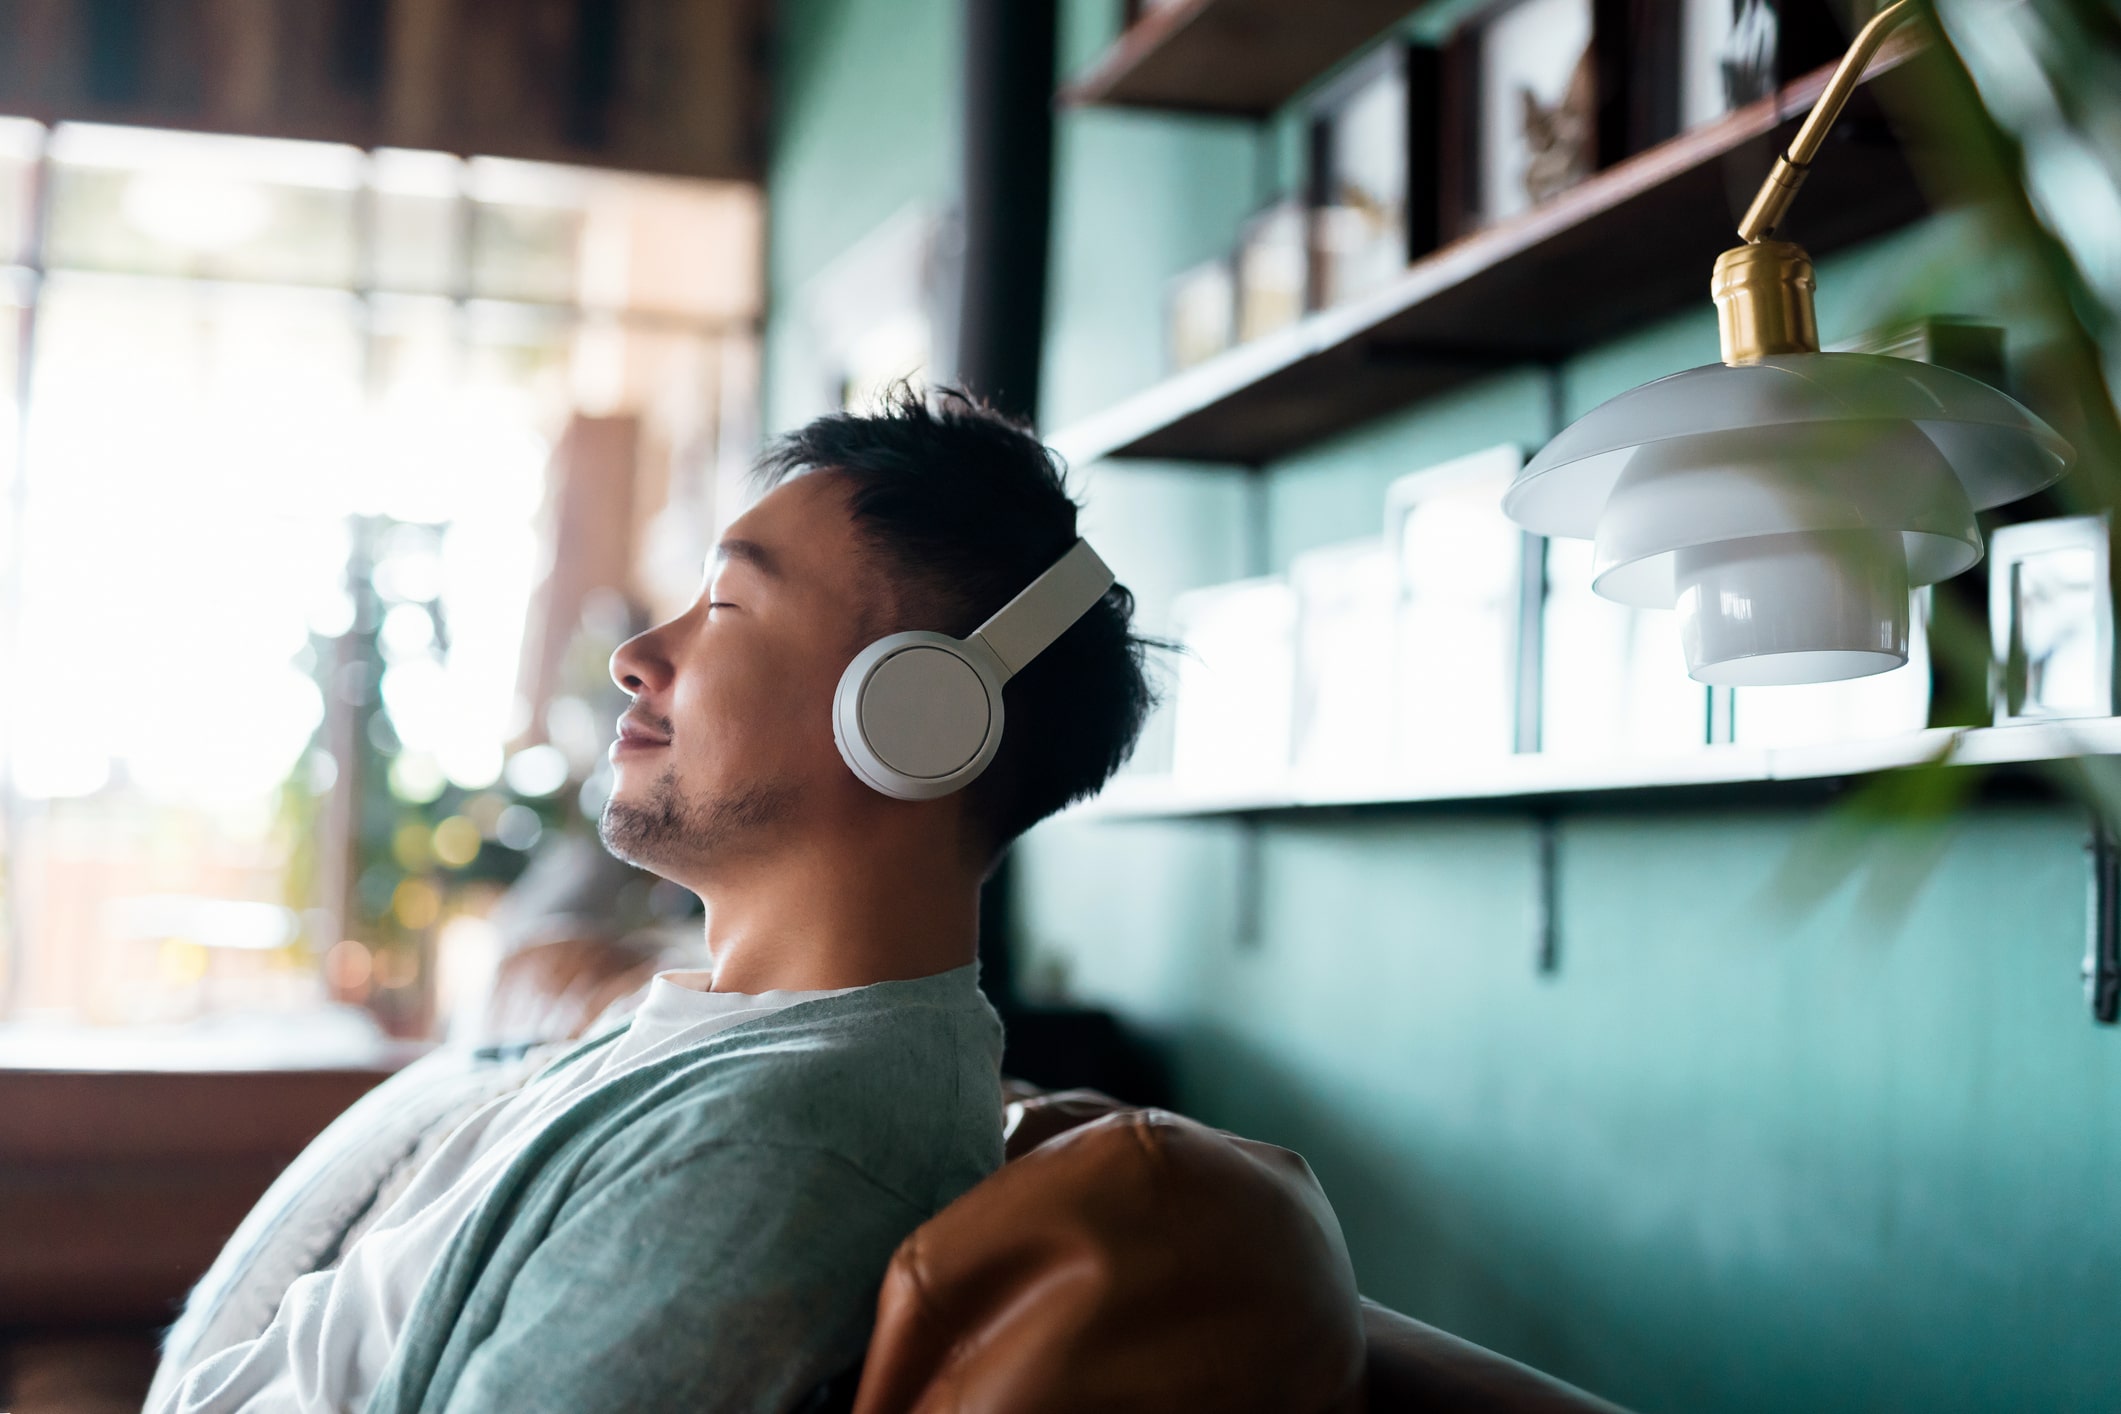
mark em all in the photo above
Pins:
pixel 1342 727
pixel 1721 68
pixel 1200 313
pixel 1236 682
pixel 1272 265
pixel 1764 45
pixel 1373 172
pixel 1459 612
pixel 1960 692
pixel 2051 619
pixel 1521 109
pixel 1613 681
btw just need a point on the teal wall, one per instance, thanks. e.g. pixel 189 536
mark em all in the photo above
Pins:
pixel 1811 1115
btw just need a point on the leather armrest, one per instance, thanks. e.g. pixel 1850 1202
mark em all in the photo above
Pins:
pixel 1418 1367
pixel 1136 1264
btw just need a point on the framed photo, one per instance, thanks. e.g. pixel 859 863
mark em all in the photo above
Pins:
pixel 1521 109
pixel 1342 724
pixel 1236 682
pixel 884 309
pixel 2051 619
pixel 1374 148
pixel 1961 693
pixel 1272 265
pixel 1459 612
pixel 1765 44
pixel 1200 313
pixel 1718 69
pixel 1613 681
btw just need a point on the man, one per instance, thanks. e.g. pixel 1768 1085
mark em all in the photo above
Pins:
pixel 694 1212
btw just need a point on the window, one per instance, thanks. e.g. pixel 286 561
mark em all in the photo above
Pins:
pixel 275 422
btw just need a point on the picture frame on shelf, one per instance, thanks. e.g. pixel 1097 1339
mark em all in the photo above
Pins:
pixel 1200 314
pixel 1341 723
pixel 1521 85
pixel 1720 68
pixel 1613 680
pixel 884 309
pixel 2051 619
pixel 1373 181
pixel 1235 690
pixel 1460 610
pixel 1961 687
pixel 1273 269
pixel 1766 44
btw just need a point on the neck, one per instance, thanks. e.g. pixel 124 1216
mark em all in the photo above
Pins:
pixel 819 916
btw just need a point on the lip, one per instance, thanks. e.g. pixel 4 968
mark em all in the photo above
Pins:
pixel 636 735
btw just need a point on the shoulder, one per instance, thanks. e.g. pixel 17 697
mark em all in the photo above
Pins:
pixel 900 1080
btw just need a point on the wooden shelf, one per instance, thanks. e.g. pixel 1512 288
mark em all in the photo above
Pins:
pixel 1532 779
pixel 1243 58
pixel 1629 244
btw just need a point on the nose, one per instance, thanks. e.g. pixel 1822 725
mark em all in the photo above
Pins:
pixel 642 664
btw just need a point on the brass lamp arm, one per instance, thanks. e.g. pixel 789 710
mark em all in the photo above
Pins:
pixel 1780 189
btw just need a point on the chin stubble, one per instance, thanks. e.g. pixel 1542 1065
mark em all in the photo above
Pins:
pixel 670 831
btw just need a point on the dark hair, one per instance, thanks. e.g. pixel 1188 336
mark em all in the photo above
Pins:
pixel 965 507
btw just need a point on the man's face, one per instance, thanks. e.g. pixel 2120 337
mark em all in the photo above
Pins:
pixel 729 737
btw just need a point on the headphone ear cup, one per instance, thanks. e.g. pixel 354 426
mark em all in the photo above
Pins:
pixel 918 715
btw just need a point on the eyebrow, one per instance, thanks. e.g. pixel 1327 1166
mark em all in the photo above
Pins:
pixel 749 552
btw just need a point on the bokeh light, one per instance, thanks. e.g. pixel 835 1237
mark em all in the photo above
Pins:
pixel 456 842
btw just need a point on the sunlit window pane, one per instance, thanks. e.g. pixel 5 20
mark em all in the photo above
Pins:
pixel 11 317
pixel 615 242
pixel 684 249
pixel 20 142
pixel 527 222
pixel 418 216
pixel 185 482
pixel 187 468
pixel 146 202
pixel 278 530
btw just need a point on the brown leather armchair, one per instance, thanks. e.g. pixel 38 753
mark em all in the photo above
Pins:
pixel 1133 1260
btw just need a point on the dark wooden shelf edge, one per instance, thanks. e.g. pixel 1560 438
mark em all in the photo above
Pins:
pixel 1459 313
pixel 1233 58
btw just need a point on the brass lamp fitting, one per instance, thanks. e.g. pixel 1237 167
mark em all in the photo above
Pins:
pixel 1763 295
pixel 1763 289
pixel 1765 215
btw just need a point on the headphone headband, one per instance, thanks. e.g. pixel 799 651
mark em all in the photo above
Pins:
pixel 1045 609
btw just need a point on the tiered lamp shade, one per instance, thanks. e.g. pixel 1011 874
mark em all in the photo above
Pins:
pixel 1786 507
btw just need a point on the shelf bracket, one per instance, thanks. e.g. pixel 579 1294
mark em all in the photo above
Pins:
pixel 1546 900
pixel 2102 927
pixel 1251 886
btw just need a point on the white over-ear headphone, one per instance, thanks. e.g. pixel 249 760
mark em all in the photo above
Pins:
pixel 919 715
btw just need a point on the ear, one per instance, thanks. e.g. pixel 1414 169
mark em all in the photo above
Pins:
pixel 1583 83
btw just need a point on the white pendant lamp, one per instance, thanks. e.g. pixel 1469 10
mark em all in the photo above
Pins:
pixel 1786 501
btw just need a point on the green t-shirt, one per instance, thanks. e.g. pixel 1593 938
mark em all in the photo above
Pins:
pixel 708 1232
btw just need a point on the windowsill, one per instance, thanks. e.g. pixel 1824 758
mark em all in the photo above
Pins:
pixel 220 1046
